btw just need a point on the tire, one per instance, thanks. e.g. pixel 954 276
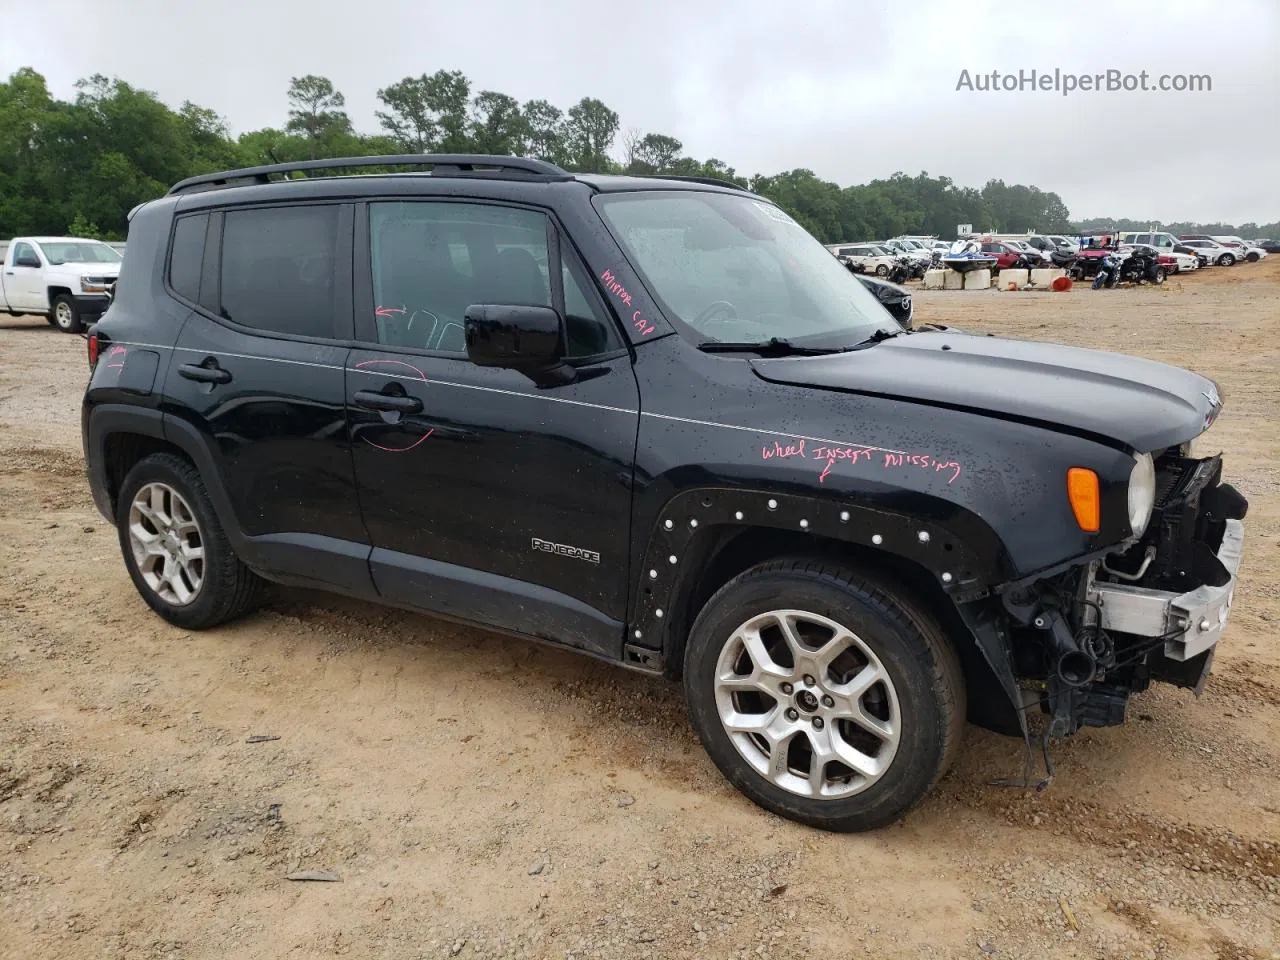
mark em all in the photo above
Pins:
pixel 882 270
pixel 918 682
pixel 221 588
pixel 1251 257
pixel 1226 260
pixel 65 314
pixel 1159 276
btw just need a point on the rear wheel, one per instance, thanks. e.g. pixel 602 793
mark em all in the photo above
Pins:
pixel 882 271
pixel 1226 260
pixel 65 314
pixel 824 696
pixel 176 550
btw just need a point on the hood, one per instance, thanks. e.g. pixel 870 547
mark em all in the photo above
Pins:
pixel 88 269
pixel 94 269
pixel 1127 401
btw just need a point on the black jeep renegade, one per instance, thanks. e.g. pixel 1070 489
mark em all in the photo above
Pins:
pixel 656 421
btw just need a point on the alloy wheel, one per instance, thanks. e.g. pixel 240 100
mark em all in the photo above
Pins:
pixel 808 704
pixel 167 543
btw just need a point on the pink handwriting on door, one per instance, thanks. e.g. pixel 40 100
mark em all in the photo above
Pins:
pixel 116 351
pixel 372 365
pixel 388 312
pixel 618 290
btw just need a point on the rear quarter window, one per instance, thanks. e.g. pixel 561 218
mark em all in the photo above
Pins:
pixel 186 256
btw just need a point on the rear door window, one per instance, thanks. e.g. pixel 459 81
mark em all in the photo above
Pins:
pixel 278 269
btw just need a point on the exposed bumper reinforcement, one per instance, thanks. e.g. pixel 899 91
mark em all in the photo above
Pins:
pixel 1195 620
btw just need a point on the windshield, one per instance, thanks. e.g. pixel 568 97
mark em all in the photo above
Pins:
pixel 80 252
pixel 736 268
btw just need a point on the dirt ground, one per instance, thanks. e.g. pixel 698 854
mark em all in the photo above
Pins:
pixel 481 797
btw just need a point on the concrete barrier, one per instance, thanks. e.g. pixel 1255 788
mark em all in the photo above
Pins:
pixel 1012 276
pixel 952 280
pixel 1045 276
pixel 934 279
pixel 977 280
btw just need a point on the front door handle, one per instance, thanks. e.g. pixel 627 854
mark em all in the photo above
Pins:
pixel 205 372
pixel 372 400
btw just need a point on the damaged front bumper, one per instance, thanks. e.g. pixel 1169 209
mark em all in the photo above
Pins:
pixel 1191 623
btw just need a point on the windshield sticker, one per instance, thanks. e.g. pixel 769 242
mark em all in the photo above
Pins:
pixel 772 212
pixel 643 326
pixel 888 459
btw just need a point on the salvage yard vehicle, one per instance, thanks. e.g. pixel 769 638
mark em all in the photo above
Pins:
pixel 865 258
pixel 1213 252
pixel 893 297
pixel 655 421
pixel 65 279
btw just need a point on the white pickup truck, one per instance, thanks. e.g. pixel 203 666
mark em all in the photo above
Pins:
pixel 64 279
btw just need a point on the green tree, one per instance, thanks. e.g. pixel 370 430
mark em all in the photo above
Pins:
pixel 544 126
pixel 428 113
pixel 497 126
pixel 80 227
pixel 655 153
pixel 589 135
pixel 316 114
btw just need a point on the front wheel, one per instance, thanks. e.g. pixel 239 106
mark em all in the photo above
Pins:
pixel 882 271
pixel 1226 260
pixel 825 696
pixel 66 315
pixel 1251 257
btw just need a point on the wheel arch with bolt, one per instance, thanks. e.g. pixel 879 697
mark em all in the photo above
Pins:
pixel 739 529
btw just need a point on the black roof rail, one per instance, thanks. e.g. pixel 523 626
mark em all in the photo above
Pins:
pixel 710 181
pixel 449 164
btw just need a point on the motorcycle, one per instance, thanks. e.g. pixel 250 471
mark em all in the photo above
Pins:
pixel 1134 266
pixel 905 269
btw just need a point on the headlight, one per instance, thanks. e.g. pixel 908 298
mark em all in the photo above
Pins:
pixel 1142 493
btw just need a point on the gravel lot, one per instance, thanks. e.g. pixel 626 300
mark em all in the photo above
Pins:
pixel 480 797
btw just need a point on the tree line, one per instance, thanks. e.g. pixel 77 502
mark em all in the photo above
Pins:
pixel 79 166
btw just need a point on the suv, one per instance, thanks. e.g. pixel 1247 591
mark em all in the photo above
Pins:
pixel 655 421
pixel 865 258
pixel 1212 251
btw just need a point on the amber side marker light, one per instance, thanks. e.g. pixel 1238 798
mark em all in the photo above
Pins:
pixel 1086 503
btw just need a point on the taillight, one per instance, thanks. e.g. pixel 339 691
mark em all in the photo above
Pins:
pixel 93 350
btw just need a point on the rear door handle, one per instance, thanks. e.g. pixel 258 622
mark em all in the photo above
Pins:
pixel 372 400
pixel 206 372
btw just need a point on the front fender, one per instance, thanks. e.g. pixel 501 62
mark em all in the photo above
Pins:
pixel 965 567
pixel 697 523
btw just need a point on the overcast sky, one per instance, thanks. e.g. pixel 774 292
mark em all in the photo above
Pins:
pixel 852 89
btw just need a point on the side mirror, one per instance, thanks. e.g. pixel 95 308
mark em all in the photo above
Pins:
pixel 523 338
pixel 27 262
